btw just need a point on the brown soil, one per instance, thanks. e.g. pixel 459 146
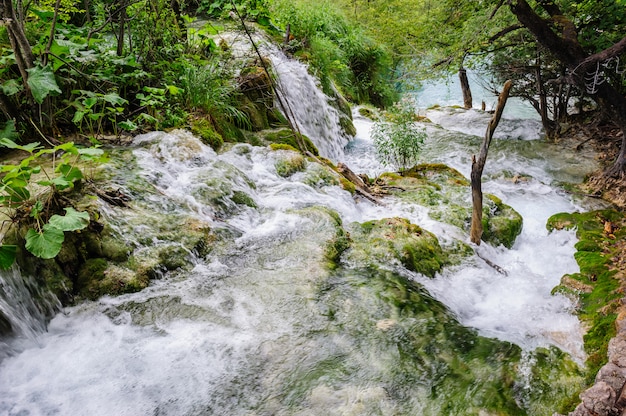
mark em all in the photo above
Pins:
pixel 605 140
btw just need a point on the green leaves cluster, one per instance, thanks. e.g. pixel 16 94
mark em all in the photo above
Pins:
pixel 398 140
pixel 17 195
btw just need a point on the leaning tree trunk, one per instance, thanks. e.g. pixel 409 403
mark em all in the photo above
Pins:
pixel 478 165
pixel 465 88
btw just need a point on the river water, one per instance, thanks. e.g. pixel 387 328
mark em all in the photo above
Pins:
pixel 262 326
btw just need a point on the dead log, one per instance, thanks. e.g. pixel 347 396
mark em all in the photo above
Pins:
pixel 478 165
pixel 360 186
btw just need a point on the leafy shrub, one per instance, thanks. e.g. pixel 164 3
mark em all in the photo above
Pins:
pixel 18 201
pixel 398 140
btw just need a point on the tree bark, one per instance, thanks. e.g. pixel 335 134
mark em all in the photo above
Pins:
pixel 478 165
pixel 465 87
pixel 21 48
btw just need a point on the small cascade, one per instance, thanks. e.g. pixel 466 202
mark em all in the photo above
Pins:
pixel 24 309
pixel 310 107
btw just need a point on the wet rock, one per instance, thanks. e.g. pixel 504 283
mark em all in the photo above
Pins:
pixel 501 223
pixel 613 375
pixel 5 324
pixel 396 239
pixel 289 163
pixel 445 191
pixel 600 399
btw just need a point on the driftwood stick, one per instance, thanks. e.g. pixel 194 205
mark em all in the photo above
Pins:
pixel 478 165
pixel 492 264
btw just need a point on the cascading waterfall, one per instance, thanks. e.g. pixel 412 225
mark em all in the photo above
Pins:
pixel 24 310
pixel 309 106
pixel 262 325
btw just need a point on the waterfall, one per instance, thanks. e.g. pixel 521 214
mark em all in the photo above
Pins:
pixel 24 309
pixel 310 107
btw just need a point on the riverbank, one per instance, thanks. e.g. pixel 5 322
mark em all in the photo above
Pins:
pixel 607 395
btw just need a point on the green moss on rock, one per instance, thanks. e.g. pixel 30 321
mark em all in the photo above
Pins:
pixel 501 223
pixel 242 198
pixel 286 136
pixel 445 191
pixel 289 164
pixel 203 128
pixel 396 239
pixel 595 286
pixel 283 146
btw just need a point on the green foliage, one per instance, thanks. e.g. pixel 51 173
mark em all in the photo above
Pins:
pixel 251 9
pixel 398 140
pixel 209 88
pixel 46 237
pixel 338 51
pixel 42 83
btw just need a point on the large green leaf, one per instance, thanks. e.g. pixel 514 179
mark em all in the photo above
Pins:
pixel 90 153
pixel 41 82
pixel 11 87
pixel 7 256
pixel 6 142
pixel 71 221
pixel 70 173
pixel 46 244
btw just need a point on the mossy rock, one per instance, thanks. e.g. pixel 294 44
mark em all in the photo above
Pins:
pixel 347 126
pixel 97 277
pixel 286 136
pixel 370 113
pixel 289 163
pixel 446 192
pixel 501 223
pixel 174 256
pixel 318 175
pixel 595 287
pixel 282 146
pixel 203 128
pixel 242 198
pixel 396 239
pixel 257 114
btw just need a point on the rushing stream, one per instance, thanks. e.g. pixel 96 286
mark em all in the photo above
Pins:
pixel 261 325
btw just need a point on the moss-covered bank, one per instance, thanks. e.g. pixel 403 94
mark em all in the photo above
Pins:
pixel 595 287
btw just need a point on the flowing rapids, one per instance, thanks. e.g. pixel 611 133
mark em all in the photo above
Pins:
pixel 262 325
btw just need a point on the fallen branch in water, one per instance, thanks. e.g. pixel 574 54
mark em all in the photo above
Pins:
pixel 492 264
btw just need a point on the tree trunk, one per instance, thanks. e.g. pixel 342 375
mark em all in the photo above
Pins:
pixel 478 165
pixel 566 48
pixel 21 48
pixel 465 87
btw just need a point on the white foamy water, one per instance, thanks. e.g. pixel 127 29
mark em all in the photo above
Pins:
pixel 308 106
